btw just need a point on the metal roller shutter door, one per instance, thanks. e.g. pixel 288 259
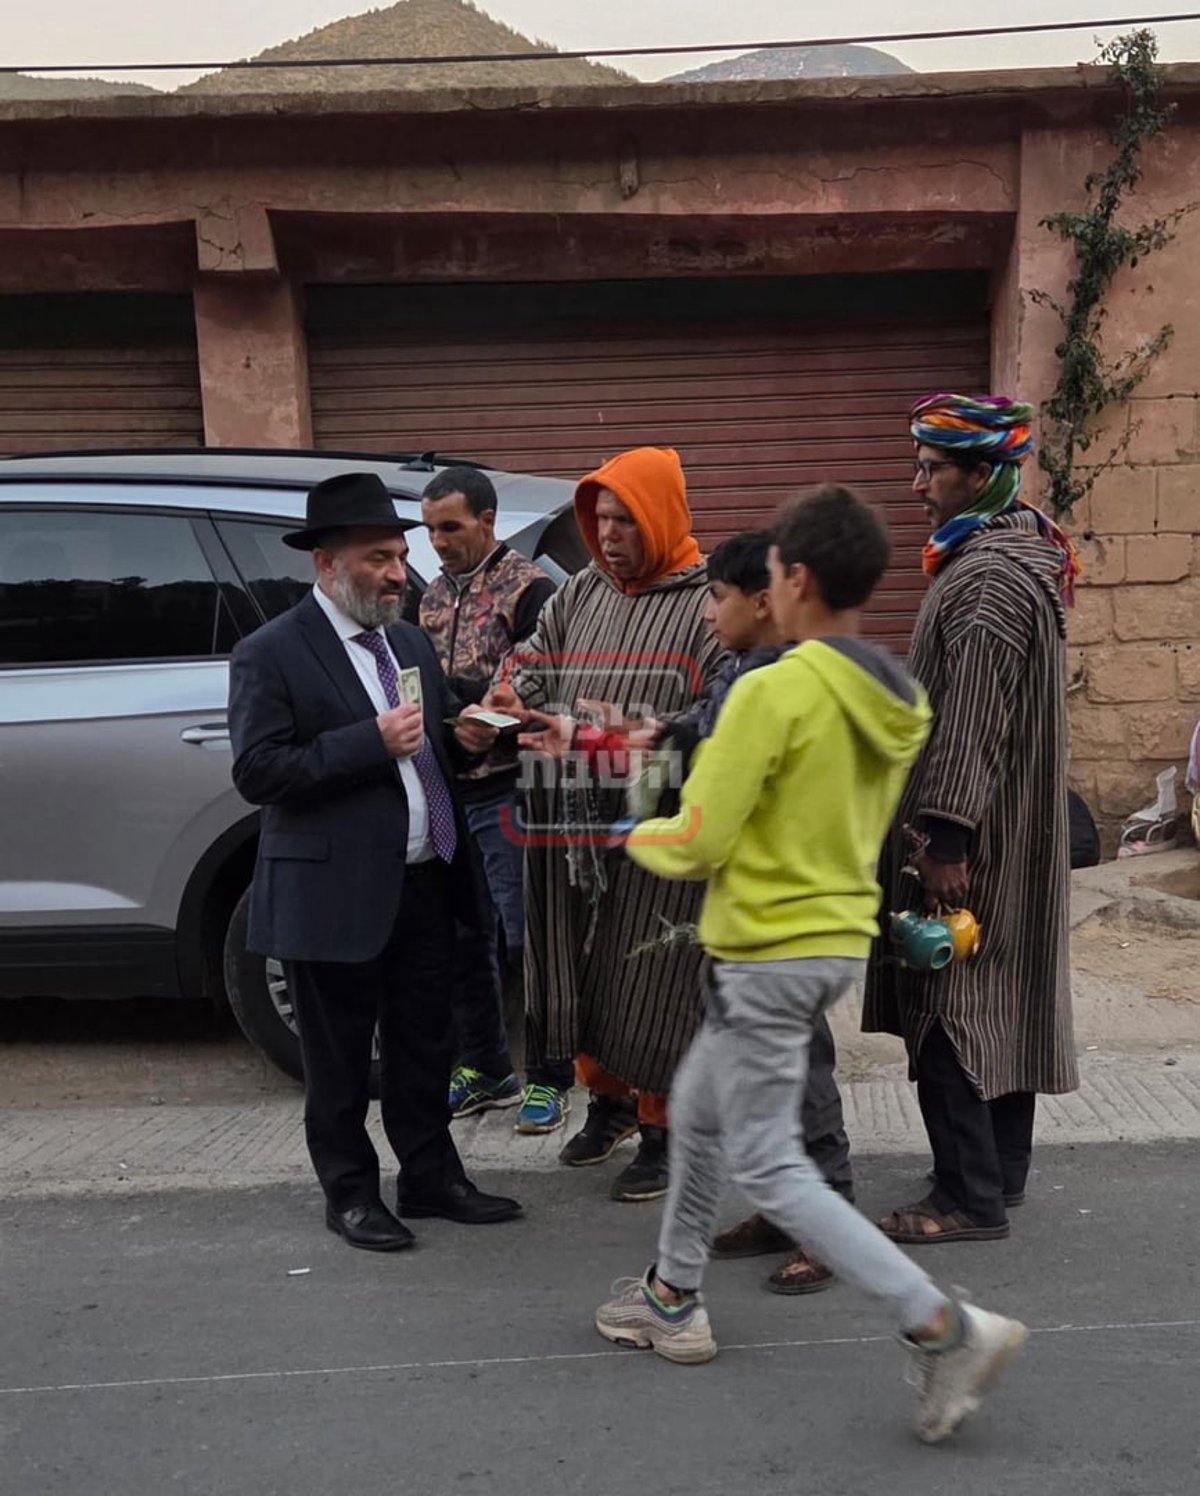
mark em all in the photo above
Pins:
pixel 756 412
pixel 103 371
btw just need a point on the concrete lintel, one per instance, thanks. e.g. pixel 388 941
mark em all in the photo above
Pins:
pixel 328 247
pixel 156 255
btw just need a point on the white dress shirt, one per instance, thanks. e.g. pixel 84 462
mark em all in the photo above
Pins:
pixel 420 844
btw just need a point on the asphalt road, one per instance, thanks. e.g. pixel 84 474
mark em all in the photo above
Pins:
pixel 132 1052
pixel 161 1343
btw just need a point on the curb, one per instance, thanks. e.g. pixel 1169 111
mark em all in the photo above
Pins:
pixel 134 1150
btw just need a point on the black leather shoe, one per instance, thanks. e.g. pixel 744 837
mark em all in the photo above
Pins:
pixel 372 1227
pixel 458 1200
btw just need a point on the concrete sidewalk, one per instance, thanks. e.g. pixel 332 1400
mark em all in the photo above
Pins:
pixel 107 1150
pixel 1137 1028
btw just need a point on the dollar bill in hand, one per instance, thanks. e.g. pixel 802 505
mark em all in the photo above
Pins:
pixel 410 686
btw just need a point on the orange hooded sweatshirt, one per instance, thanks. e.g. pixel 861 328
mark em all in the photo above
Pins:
pixel 649 482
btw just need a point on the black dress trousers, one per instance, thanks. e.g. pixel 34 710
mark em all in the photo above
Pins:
pixel 405 990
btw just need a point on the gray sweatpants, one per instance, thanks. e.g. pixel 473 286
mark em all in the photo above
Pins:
pixel 734 1111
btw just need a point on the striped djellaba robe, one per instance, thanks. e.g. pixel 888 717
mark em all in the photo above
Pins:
pixel 989 647
pixel 650 653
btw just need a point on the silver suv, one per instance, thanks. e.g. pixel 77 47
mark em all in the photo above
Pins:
pixel 125 580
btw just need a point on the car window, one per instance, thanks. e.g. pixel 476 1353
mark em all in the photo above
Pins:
pixel 80 586
pixel 276 575
pixel 562 545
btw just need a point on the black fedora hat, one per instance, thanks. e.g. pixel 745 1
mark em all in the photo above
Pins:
pixel 349 500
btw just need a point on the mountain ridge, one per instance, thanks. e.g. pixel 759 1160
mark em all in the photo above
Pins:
pixel 410 28
pixel 796 62
pixel 15 86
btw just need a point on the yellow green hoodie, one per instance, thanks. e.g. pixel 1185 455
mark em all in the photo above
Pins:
pixel 788 802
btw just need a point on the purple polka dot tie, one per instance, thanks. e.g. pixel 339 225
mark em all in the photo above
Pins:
pixel 442 830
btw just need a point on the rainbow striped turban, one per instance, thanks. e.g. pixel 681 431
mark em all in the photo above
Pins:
pixel 995 429
pixel 992 427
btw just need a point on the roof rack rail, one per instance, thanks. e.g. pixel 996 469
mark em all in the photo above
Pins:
pixel 415 461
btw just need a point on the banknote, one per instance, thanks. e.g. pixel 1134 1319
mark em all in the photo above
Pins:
pixel 410 687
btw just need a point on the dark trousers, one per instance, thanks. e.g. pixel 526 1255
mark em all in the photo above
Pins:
pixel 824 1128
pixel 981 1149
pixel 557 1073
pixel 478 979
pixel 338 1004
pixel 477 995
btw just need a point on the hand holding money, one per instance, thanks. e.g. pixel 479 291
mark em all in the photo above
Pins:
pixel 401 729
pixel 502 698
pixel 606 715
pixel 642 732
pixel 410 687
pixel 475 736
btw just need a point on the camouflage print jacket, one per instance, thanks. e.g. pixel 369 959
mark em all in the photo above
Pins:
pixel 474 623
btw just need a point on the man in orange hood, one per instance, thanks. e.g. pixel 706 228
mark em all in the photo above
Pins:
pixel 628 630
pixel 634 517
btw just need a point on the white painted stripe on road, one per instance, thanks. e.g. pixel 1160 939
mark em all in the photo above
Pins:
pixel 284 1374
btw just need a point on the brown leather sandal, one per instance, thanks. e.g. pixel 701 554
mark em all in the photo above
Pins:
pixel 800 1274
pixel 753 1237
pixel 904 1225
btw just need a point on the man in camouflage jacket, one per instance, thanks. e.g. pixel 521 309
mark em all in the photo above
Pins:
pixel 483 604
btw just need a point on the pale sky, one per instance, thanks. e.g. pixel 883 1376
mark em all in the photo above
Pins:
pixel 70 31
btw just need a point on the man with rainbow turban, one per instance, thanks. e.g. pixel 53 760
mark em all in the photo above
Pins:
pixel 983 821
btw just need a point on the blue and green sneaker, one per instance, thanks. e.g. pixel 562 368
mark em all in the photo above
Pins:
pixel 543 1109
pixel 471 1091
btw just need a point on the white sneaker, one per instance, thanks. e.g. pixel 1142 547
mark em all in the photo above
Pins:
pixel 950 1384
pixel 636 1318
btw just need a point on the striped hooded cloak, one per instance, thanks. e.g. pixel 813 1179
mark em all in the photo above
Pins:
pixel 989 648
pixel 645 647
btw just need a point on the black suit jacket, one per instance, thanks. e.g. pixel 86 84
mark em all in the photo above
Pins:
pixel 307 748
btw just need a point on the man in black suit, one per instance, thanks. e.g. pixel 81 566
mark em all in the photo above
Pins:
pixel 337 712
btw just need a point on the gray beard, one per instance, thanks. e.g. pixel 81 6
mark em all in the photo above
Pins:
pixel 367 612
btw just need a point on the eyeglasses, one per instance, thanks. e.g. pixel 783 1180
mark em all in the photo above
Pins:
pixel 925 467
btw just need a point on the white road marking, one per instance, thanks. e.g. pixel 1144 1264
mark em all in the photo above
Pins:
pixel 284 1374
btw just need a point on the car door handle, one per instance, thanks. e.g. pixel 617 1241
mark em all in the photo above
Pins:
pixel 206 733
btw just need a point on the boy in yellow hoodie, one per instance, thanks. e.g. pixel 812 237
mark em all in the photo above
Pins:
pixel 783 816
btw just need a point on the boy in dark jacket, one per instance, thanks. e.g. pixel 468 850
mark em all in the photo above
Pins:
pixel 741 620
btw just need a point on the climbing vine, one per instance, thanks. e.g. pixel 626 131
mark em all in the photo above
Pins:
pixel 1090 380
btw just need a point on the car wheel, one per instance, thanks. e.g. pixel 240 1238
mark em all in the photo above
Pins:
pixel 258 995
